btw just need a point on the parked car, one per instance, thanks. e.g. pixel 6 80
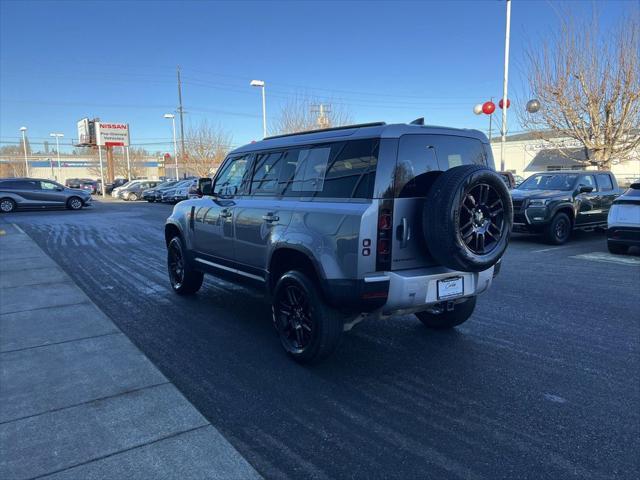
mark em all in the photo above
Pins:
pixel 186 189
pixel 342 224
pixel 509 179
pixel 623 225
pixel 89 185
pixel 556 203
pixel 150 193
pixel 518 179
pixel 133 190
pixel 118 182
pixel 159 190
pixel 38 193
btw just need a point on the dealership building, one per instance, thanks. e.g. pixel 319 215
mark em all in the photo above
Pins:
pixel 525 154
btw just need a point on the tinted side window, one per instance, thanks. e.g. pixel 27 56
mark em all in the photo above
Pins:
pixel 337 170
pixel 48 186
pixel 587 181
pixel 604 182
pixel 267 172
pixel 230 179
pixel 14 185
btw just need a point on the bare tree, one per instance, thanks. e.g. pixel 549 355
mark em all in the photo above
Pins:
pixel 306 113
pixel 589 89
pixel 12 164
pixel 205 148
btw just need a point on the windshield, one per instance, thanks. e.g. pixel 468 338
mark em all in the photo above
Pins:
pixel 549 182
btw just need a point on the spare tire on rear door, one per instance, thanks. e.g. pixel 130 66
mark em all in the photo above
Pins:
pixel 467 218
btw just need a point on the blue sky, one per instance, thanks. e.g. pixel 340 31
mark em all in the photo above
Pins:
pixel 392 61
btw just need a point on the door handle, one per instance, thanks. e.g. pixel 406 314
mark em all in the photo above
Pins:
pixel 270 217
pixel 225 213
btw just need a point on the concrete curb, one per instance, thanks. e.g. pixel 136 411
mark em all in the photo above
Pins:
pixel 78 399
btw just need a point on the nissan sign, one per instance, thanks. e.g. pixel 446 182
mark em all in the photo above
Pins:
pixel 112 134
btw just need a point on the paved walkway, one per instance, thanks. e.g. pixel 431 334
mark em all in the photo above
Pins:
pixel 77 398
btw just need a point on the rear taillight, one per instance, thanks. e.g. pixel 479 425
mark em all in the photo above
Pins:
pixel 385 228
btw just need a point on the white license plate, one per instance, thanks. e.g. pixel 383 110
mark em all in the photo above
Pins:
pixel 450 288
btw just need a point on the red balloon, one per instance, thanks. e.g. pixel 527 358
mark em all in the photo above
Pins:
pixel 488 107
pixel 500 104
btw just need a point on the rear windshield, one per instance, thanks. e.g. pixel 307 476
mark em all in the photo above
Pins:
pixel 420 157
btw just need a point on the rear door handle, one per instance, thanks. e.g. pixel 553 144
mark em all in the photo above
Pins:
pixel 226 213
pixel 270 217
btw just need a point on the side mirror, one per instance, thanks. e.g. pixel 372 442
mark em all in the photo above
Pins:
pixel 585 189
pixel 59 189
pixel 204 186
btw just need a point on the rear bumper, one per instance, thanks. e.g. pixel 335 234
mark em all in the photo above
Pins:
pixel 404 291
pixel 629 236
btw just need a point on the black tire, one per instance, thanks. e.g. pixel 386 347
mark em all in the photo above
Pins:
pixel 7 205
pixel 448 319
pixel 467 218
pixel 617 249
pixel 309 330
pixel 132 197
pixel 559 229
pixel 184 279
pixel 150 200
pixel 74 203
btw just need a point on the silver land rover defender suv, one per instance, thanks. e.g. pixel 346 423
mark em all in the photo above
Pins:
pixel 343 224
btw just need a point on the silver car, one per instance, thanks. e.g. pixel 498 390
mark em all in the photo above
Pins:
pixel 344 224
pixel 37 193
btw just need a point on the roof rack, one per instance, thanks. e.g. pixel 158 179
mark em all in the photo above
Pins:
pixel 345 127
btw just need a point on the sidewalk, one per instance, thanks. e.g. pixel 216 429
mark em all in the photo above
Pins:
pixel 77 398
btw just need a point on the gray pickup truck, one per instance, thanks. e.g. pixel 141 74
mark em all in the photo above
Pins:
pixel 343 224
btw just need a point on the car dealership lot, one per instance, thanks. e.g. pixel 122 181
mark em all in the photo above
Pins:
pixel 542 382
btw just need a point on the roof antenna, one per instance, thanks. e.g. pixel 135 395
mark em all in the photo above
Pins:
pixel 418 121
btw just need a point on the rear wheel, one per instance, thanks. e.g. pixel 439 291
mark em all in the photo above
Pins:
pixel 559 229
pixel 74 203
pixel 309 329
pixel 445 319
pixel 616 248
pixel 151 200
pixel 132 197
pixel 185 280
pixel 7 205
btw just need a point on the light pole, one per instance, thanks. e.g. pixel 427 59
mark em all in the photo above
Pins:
pixel 505 103
pixel 58 136
pixel 24 147
pixel 175 145
pixel 260 83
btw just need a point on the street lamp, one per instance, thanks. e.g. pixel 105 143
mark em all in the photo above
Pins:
pixel 172 117
pixel 58 136
pixel 24 146
pixel 505 100
pixel 260 83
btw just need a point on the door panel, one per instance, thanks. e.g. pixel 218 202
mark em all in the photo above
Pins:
pixel 213 228
pixel 589 210
pixel 45 193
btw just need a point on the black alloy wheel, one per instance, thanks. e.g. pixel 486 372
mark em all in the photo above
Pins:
pixel 309 329
pixel 294 317
pixel 176 265
pixel 559 229
pixel 184 279
pixel 481 218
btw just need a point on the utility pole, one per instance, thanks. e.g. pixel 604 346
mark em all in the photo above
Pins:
pixel 322 110
pixel 181 111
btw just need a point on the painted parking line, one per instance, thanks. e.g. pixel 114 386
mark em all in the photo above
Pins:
pixel 608 258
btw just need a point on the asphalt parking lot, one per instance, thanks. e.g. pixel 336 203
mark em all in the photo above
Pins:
pixel 542 382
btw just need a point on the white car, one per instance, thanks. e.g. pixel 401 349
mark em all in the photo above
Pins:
pixel 623 226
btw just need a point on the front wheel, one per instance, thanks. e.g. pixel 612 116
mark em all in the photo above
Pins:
pixel 309 329
pixel 185 280
pixel 7 205
pixel 151 200
pixel 132 197
pixel 74 203
pixel 559 229
pixel 448 318
pixel 617 249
